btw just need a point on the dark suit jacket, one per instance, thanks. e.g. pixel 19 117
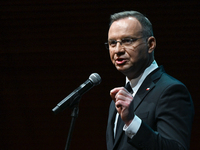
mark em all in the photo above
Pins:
pixel 166 111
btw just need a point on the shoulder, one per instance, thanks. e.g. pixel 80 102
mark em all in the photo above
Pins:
pixel 159 76
pixel 166 84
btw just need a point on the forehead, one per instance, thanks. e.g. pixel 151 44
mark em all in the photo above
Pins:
pixel 129 26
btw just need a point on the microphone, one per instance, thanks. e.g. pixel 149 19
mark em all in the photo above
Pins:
pixel 74 97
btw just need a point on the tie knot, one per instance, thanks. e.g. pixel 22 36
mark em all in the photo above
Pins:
pixel 128 87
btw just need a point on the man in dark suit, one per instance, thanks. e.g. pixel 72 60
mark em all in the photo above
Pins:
pixel 154 111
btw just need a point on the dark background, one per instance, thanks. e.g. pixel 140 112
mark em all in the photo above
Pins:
pixel 48 48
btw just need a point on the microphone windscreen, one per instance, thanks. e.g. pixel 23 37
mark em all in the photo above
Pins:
pixel 95 78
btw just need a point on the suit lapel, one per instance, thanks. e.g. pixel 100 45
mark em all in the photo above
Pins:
pixel 147 86
pixel 110 127
pixel 142 92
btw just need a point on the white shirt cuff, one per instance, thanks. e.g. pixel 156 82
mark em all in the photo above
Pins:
pixel 132 129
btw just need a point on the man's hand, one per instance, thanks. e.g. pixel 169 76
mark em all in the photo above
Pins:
pixel 123 103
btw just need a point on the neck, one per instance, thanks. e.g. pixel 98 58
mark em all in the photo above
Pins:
pixel 134 73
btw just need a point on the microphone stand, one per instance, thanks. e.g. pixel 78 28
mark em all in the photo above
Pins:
pixel 74 115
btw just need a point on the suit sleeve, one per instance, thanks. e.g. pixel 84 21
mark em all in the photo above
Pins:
pixel 173 118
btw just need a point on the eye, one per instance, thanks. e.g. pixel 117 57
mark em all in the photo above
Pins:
pixel 112 42
pixel 127 41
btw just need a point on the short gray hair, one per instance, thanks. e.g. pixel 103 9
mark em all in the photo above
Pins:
pixel 144 21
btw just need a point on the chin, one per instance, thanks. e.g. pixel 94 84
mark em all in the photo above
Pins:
pixel 121 68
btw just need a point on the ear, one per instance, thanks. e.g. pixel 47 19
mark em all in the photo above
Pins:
pixel 151 44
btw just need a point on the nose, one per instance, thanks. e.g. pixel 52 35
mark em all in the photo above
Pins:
pixel 120 42
pixel 119 47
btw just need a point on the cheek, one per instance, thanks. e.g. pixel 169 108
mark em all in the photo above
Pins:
pixel 132 55
pixel 136 55
pixel 111 55
pixel 141 55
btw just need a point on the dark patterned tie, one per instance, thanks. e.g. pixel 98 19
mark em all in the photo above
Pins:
pixel 128 87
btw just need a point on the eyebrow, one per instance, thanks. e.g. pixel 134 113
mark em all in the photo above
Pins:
pixel 131 37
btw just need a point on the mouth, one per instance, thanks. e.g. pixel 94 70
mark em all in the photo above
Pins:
pixel 120 61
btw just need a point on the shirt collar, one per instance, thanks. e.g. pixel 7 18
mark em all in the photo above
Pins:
pixel 136 83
